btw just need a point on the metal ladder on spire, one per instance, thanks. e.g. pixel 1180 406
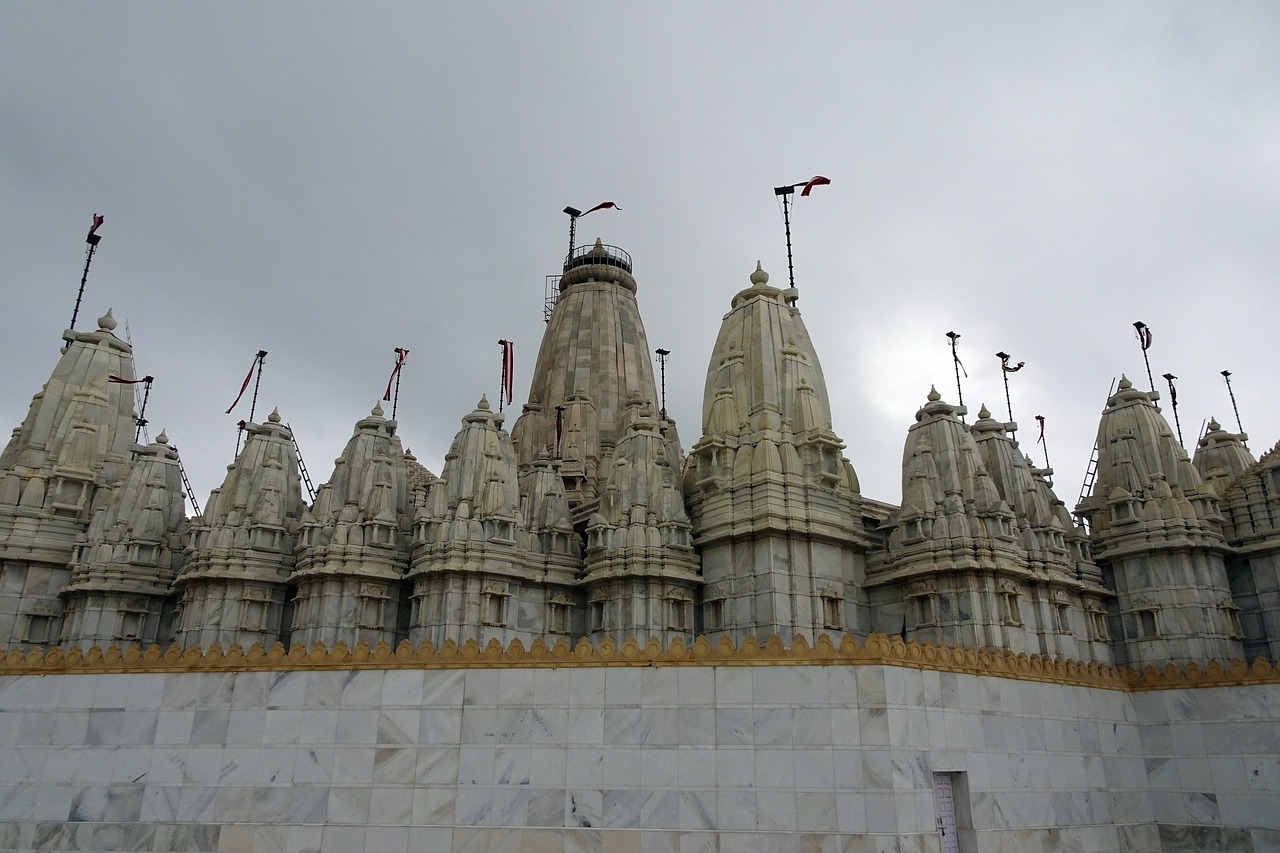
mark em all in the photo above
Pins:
pixel 1092 473
pixel 302 466
pixel 550 294
pixel 186 484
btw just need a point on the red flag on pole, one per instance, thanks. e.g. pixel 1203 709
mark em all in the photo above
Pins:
pixel 602 206
pixel 247 378
pixel 401 355
pixel 815 181
pixel 508 367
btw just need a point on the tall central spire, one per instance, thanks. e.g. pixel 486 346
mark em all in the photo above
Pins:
pixel 594 359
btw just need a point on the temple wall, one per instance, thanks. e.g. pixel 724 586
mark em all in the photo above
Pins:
pixel 609 750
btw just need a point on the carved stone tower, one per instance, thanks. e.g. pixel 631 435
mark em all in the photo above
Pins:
pixel 1157 534
pixel 354 543
pixel 1065 596
pixel 487 564
pixel 594 357
pixel 641 571
pixel 120 576
pixel 234 586
pixel 775 505
pixel 57 470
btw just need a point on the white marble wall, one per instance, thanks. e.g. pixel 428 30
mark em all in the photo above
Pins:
pixel 813 758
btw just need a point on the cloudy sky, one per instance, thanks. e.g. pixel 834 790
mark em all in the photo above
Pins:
pixel 327 182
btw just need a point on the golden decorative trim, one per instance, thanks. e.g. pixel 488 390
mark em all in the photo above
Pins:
pixel 878 649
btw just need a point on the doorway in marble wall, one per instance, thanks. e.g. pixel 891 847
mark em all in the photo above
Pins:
pixel 952 813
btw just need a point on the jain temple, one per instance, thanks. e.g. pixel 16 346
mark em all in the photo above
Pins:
pixel 586 636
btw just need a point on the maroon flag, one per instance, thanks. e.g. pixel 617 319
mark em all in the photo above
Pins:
pixel 509 364
pixel 247 377
pixel 119 380
pixel 602 206
pixel 815 181
pixel 97 223
pixel 401 355
pixel 1004 364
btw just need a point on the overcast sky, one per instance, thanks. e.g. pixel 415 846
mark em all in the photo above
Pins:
pixel 328 182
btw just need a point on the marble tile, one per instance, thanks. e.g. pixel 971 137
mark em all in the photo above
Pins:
pixel 547 806
pixel 434 806
pixel 391 806
pixel 583 808
pixel 304 839
pixel 776 811
pixel 515 687
pixel 551 688
pixel 308 805
pixel 733 686
pixel 395 765
pixel 402 688
pixel 349 805
pixel 476 765
pixel 443 688
pixel 480 688
pixel 287 689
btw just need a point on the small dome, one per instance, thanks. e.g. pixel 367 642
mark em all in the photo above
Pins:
pixel 759 278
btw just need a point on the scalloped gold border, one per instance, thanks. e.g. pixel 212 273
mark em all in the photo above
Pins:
pixel 877 649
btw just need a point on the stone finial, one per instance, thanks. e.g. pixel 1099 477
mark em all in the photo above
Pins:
pixel 759 278
pixel 106 322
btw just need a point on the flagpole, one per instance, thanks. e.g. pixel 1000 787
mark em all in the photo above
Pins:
pixel 1044 442
pixel 1004 373
pixel 142 412
pixel 253 405
pixel 1144 339
pixel 1173 400
pixel 955 336
pixel 662 367
pixel 92 240
pixel 1226 374
pixel 401 355
pixel 786 193
pixel 559 427
pixel 574 213
pixel 502 391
